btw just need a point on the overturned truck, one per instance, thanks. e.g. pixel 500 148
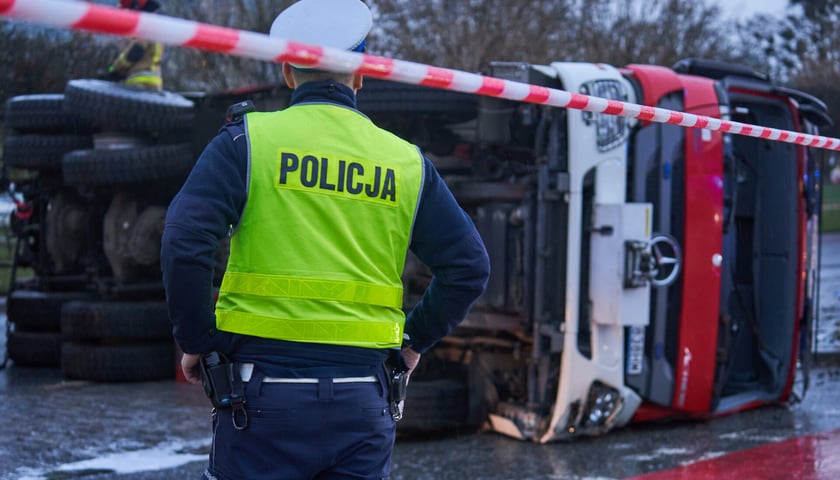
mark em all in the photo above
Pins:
pixel 639 270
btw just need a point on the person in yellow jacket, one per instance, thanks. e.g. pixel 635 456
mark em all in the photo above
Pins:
pixel 308 350
pixel 139 65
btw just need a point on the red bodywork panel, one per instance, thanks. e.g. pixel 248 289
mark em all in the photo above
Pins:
pixel 703 238
pixel 656 82
pixel 700 309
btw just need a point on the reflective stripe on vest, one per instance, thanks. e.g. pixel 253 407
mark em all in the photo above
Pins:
pixel 146 80
pixel 320 247
pixel 359 333
pixel 292 287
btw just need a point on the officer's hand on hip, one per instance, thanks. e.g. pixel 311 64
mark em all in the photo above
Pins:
pixel 411 358
pixel 189 365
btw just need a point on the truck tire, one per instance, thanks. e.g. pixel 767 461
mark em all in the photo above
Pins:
pixel 34 349
pixel 383 96
pixel 434 405
pixel 128 165
pixel 41 152
pixel 42 113
pixel 118 363
pixel 36 311
pixel 128 320
pixel 115 107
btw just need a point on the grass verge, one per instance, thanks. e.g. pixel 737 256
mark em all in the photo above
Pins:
pixel 831 208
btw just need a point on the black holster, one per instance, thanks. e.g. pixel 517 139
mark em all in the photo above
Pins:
pixel 223 385
pixel 396 371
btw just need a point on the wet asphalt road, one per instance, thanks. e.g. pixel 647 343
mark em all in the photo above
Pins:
pixel 54 429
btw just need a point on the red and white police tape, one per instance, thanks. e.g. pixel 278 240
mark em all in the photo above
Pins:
pixel 79 15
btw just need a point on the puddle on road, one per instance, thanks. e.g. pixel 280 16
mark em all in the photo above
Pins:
pixel 659 453
pixel 705 456
pixel 753 437
pixel 73 474
pixel 163 456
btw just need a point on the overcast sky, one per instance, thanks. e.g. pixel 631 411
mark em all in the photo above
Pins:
pixel 744 8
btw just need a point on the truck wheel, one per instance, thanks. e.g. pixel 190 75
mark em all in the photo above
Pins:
pixel 38 311
pixel 41 152
pixel 383 96
pixel 115 107
pixel 128 165
pixel 131 238
pixel 96 320
pixel 433 405
pixel 66 228
pixel 118 363
pixel 143 245
pixel 42 113
pixel 34 349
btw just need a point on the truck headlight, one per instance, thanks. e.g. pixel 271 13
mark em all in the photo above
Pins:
pixel 602 403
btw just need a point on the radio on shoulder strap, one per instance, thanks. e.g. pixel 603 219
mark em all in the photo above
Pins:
pixel 239 109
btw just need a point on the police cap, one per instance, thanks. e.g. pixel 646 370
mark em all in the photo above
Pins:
pixel 342 24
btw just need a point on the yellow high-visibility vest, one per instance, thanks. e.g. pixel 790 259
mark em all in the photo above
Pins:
pixel 320 248
pixel 145 73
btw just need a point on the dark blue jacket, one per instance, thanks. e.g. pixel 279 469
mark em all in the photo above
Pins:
pixel 211 202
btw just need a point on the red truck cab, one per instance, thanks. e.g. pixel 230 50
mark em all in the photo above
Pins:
pixel 731 331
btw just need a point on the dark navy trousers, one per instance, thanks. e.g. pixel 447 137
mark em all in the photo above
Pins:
pixel 308 431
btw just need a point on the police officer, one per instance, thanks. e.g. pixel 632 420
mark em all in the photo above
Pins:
pixel 138 66
pixel 322 207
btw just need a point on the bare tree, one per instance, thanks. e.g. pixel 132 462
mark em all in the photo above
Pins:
pixel 39 60
pixel 187 69
pixel 801 49
pixel 656 32
pixel 461 34
pixel 818 47
pixel 466 34
pixel 42 59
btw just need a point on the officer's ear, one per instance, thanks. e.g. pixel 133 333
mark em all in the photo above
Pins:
pixel 357 81
pixel 288 75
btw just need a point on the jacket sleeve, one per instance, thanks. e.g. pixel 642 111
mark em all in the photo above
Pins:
pixel 130 56
pixel 446 240
pixel 200 215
